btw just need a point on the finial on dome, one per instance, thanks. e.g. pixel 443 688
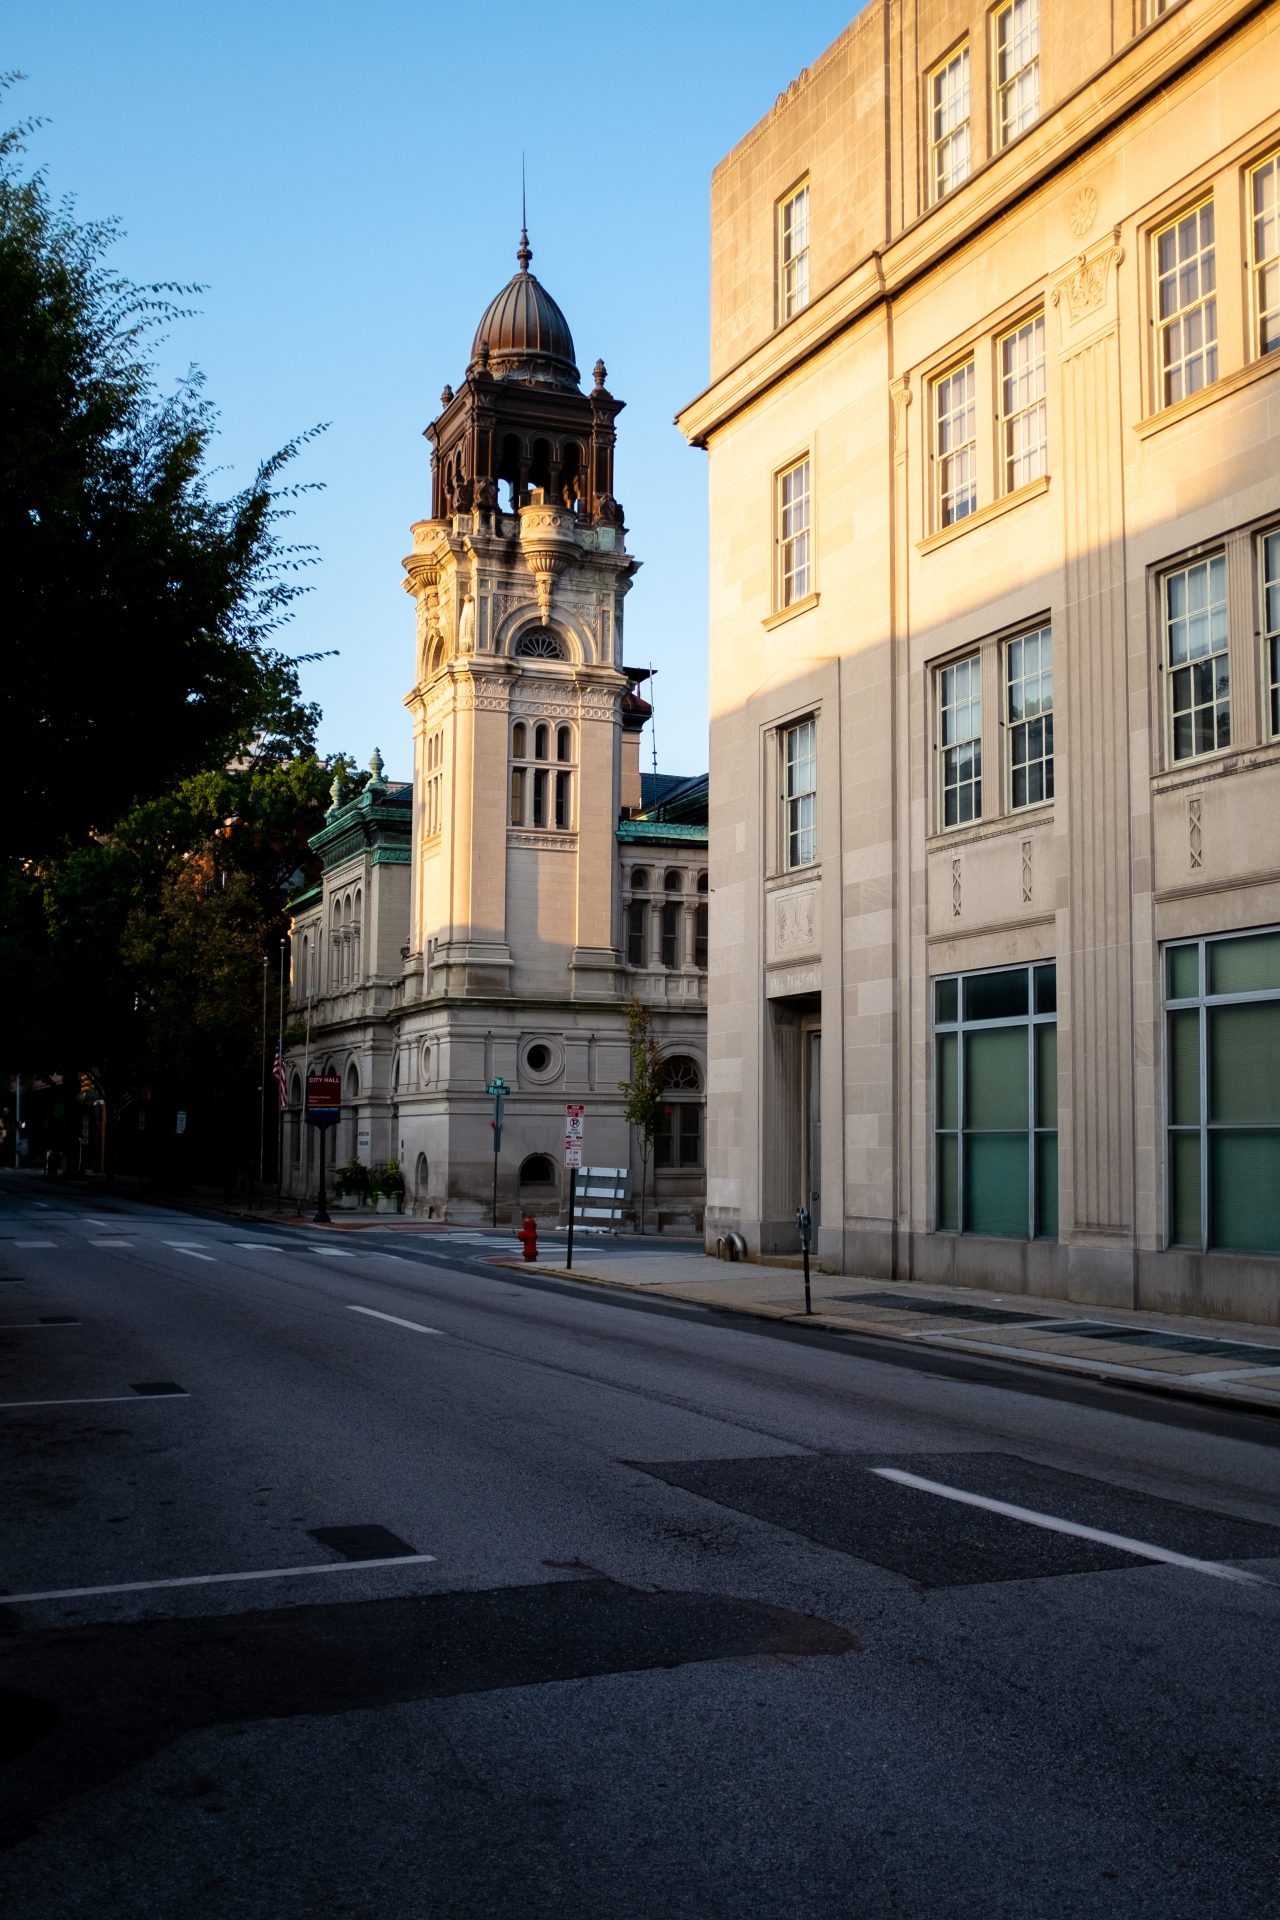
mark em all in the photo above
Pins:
pixel 598 373
pixel 524 252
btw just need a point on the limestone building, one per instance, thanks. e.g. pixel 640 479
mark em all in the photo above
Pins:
pixel 994 451
pixel 493 917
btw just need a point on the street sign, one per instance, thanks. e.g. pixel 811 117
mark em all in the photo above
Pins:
pixel 574 1114
pixel 324 1099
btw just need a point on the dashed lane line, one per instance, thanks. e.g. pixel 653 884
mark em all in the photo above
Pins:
pixel 192 1253
pixel 217 1579
pixel 111 1243
pixel 414 1326
pixel 35 1243
pixel 1141 1549
pixel 94 1400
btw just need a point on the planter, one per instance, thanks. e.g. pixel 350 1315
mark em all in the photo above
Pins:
pixel 347 1202
pixel 389 1202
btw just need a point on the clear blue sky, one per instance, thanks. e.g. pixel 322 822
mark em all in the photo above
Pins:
pixel 345 182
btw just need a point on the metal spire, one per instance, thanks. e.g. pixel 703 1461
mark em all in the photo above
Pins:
pixel 524 252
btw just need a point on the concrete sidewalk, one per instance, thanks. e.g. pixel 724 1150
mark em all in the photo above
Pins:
pixel 1214 1360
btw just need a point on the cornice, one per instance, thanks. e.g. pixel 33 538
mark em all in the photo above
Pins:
pixel 1152 61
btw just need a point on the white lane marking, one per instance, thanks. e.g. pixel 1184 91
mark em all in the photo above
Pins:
pixel 98 1400
pixel 35 1243
pixel 258 1246
pixel 90 1221
pixel 1141 1549
pixel 192 1253
pixel 46 1204
pixel 218 1579
pixel 111 1243
pixel 414 1326
pixel 332 1253
pixel 377 1251
pixel 12 1326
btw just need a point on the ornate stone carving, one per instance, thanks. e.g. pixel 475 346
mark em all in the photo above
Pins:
pixel 1195 836
pixel 544 842
pixel 467 625
pixel 1084 290
pixel 490 693
pixel 955 887
pixel 901 394
pixel 1084 211
pixel 795 922
pixel 1026 870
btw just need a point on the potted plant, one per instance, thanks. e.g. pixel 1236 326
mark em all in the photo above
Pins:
pixel 388 1185
pixel 351 1184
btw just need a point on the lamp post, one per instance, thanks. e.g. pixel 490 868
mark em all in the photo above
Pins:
pixel 497 1090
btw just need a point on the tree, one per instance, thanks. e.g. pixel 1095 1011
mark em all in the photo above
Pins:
pixel 133 597
pixel 643 1104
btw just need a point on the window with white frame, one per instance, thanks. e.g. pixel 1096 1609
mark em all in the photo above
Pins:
pixel 541 793
pixel 1017 69
pixel 960 741
pixel 949 151
pixel 1197 671
pixel 794 535
pixel 1264 252
pixel 1029 717
pixel 677 1135
pixel 1269 553
pixel 1023 442
pixel 800 794
pixel 1186 304
pixel 793 253
pixel 955 445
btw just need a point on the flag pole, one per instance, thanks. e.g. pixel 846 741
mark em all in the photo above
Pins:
pixel 262 1091
pixel 283 1090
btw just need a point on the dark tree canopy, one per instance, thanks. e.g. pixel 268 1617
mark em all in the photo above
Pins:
pixel 139 608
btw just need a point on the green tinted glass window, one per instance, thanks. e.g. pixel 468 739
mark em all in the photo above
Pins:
pixel 1046 1045
pixel 1244 1063
pixel 948 1213
pixel 1046 1186
pixel 945 999
pixel 1047 989
pixel 1182 973
pixel 1184 1177
pixel 996 996
pixel 948 1045
pixel 995 1085
pixel 1184 1068
pixel 1244 1186
pixel 1251 965
pixel 995 1184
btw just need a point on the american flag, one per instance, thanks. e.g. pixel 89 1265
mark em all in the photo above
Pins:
pixel 278 1074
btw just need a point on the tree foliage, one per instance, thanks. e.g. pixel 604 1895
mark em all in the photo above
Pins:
pixel 140 608
pixel 642 1105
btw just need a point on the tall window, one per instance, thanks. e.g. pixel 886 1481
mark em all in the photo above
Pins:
pixel 1196 665
pixel 637 933
pixel 996 1102
pixel 677 1136
pixel 800 794
pixel 541 793
pixel 960 740
pixel 700 926
pixel 1022 406
pixel 795 554
pixel 1186 304
pixel 955 446
pixel 1017 37
pixel 1264 252
pixel 432 799
pixel 1269 547
pixel 1222 1002
pixel 671 911
pixel 949 124
pixel 793 253
pixel 1029 683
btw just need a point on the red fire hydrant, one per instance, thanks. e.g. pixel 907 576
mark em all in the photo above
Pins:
pixel 527 1235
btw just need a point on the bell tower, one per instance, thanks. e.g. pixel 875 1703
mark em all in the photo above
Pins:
pixel 518 699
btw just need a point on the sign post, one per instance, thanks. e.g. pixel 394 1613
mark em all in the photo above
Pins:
pixel 574 1114
pixel 324 1110
pixel 804 1220
pixel 497 1090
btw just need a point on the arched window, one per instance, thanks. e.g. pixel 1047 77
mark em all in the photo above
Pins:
pixel 702 883
pixel 640 880
pixel 673 881
pixel 677 1137
pixel 356 928
pixel 571 473
pixel 537 1171
pixel 540 466
pixel 540 796
pixel 539 644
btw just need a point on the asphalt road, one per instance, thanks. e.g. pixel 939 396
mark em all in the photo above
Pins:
pixel 581 1603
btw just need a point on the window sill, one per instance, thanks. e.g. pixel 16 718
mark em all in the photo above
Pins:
pixel 1218 390
pixel 1215 766
pixel 783 614
pixel 983 515
pixel 792 876
pixel 973 830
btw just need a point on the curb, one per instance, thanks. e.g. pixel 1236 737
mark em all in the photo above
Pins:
pixel 1102 1372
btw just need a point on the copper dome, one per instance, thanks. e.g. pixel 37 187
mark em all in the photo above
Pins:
pixel 526 334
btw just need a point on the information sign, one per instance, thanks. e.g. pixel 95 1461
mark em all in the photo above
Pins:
pixel 324 1099
pixel 574 1114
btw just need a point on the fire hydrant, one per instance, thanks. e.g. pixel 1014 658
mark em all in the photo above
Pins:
pixel 527 1235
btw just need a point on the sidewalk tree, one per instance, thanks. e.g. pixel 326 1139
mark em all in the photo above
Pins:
pixel 132 593
pixel 643 1092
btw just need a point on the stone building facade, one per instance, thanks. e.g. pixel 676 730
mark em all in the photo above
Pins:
pixel 493 917
pixel 994 456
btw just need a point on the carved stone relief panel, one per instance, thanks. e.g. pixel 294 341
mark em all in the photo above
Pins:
pixel 793 923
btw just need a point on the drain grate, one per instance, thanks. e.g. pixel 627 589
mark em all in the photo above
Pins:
pixel 944 1309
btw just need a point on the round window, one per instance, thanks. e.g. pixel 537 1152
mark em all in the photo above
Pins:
pixel 538 1058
